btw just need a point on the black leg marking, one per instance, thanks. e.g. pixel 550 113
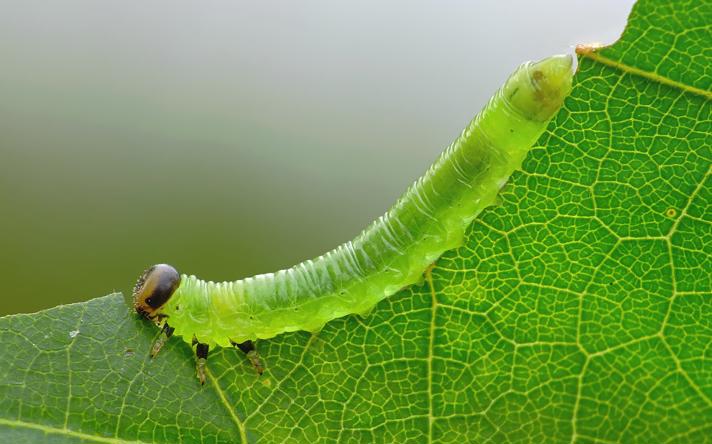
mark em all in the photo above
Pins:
pixel 248 348
pixel 166 333
pixel 201 355
pixel 245 347
pixel 201 351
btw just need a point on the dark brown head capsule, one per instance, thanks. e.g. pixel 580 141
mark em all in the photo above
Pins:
pixel 154 288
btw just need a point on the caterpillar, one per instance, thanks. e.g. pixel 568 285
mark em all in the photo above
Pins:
pixel 391 253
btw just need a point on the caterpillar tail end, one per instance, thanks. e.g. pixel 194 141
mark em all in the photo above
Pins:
pixel 547 84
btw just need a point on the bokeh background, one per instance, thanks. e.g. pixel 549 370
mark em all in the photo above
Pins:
pixel 236 137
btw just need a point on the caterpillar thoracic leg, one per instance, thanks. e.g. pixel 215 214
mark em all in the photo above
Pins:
pixel 166 333
pixel 248 348
pixel 201 359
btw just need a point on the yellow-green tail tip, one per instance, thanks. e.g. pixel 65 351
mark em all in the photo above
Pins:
pixel 538 89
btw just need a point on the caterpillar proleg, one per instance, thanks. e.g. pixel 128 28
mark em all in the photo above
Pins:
pixel 391 253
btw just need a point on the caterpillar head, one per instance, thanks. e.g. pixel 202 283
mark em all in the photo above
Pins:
pixel 154 288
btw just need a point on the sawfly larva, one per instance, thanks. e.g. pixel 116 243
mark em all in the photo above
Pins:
pixel 390 254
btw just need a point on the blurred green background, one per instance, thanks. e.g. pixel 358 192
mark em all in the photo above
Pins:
pixel 234 138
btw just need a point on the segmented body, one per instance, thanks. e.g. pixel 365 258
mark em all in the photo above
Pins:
pixel 392 252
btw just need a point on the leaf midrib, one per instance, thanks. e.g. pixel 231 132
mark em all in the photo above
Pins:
pixel 66 432
pixel 233 414
pixel 596 57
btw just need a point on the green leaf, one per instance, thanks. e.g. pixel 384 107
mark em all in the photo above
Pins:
pixel 580 309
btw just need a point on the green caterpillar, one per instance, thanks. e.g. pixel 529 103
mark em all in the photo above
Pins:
pixel 390 254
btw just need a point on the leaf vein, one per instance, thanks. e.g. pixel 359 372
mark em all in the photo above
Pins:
pixel 596 57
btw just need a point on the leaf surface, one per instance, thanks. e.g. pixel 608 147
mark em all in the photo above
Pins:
pixel 580 309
